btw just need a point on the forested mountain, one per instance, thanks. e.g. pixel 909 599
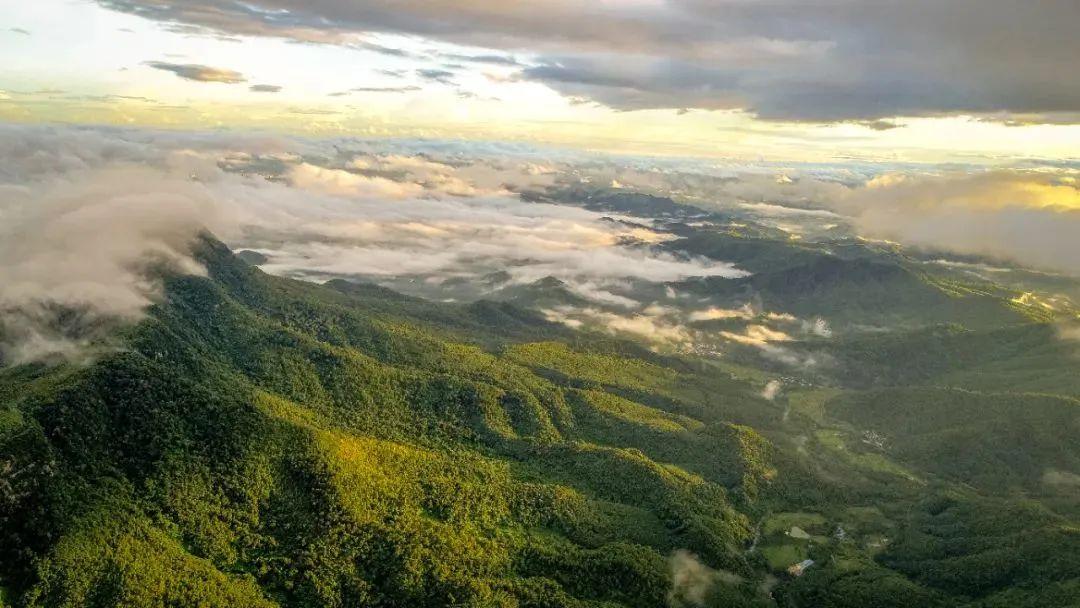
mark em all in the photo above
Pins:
pixel 260 441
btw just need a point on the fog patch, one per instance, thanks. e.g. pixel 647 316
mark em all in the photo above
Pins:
pixel 818 327
pixel 771 390
pixel 80 254
pixel 692 581
pixel 1060 479
pixel 652 325
pixel 1069 332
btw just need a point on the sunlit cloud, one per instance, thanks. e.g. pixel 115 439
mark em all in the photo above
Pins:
pixel 780 61
pixel 1031 217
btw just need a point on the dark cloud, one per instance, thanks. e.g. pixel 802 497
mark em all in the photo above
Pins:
pixel 505 60
pixel 19 30
pixel 407 89
pixel 201 73
pixel 382 50
pixel 265 88
pixel 439 76
pixel 879 125
pixel 835 60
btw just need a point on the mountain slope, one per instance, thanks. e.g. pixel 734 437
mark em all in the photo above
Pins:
pixel 286 443
pixel 272 442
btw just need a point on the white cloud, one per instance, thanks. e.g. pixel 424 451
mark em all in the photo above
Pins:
pixel 757 335
pixel 715 313
pixel 86 245
pixel 771 390
pixel 1027 216
pixel 692 581
pixel 337 182
pixel 652 326
pixel 84 209
pixel 818 327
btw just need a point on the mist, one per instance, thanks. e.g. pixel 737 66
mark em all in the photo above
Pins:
pixel 1030 217
pixel 80 252
pixel 89 217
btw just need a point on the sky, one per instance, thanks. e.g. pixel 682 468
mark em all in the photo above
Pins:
pixel 979 82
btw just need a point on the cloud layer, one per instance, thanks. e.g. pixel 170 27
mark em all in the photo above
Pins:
pixel 825 61
pixel 1027 216
pixel 86 211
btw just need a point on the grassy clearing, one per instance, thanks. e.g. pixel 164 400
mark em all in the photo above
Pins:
pixel 811 403
pixel 779 557
pixel 782 522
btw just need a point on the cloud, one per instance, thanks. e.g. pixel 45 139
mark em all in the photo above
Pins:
pixel 315 209
pixel 879 125
pixel 433 175
pixel 1069 332
pixel 650 327
pixel 503 60
pixel 337 182
pixel 818 327
pixel 382 50
pixel 764 339
pixel 771 390
pixel 692 581
pixel 1031 217
pixel 832 61
pixel 265 88
pixel 200 73
pixel 757 335
pixel 714 313
pixel 438 76
pixel 19 30
pixel 405 89
pixel 791 358
pixel 79 253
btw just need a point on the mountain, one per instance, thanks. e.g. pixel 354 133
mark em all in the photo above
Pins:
pixel 850 284
pixel 261 441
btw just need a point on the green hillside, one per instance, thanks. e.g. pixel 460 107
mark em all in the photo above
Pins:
pixel 260 441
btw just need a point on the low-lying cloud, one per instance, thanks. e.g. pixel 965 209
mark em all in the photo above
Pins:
pixel 79 253
pixel 692 582
pixel 1026 216
pixel 85 212
pixel 771 390
pixel 444 220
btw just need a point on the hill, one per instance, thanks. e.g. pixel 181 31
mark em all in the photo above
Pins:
pixel 260 441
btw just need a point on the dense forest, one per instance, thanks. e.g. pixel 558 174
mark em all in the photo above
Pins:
pixel 261 441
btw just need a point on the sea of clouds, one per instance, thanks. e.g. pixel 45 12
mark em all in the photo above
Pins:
pixel 85 212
